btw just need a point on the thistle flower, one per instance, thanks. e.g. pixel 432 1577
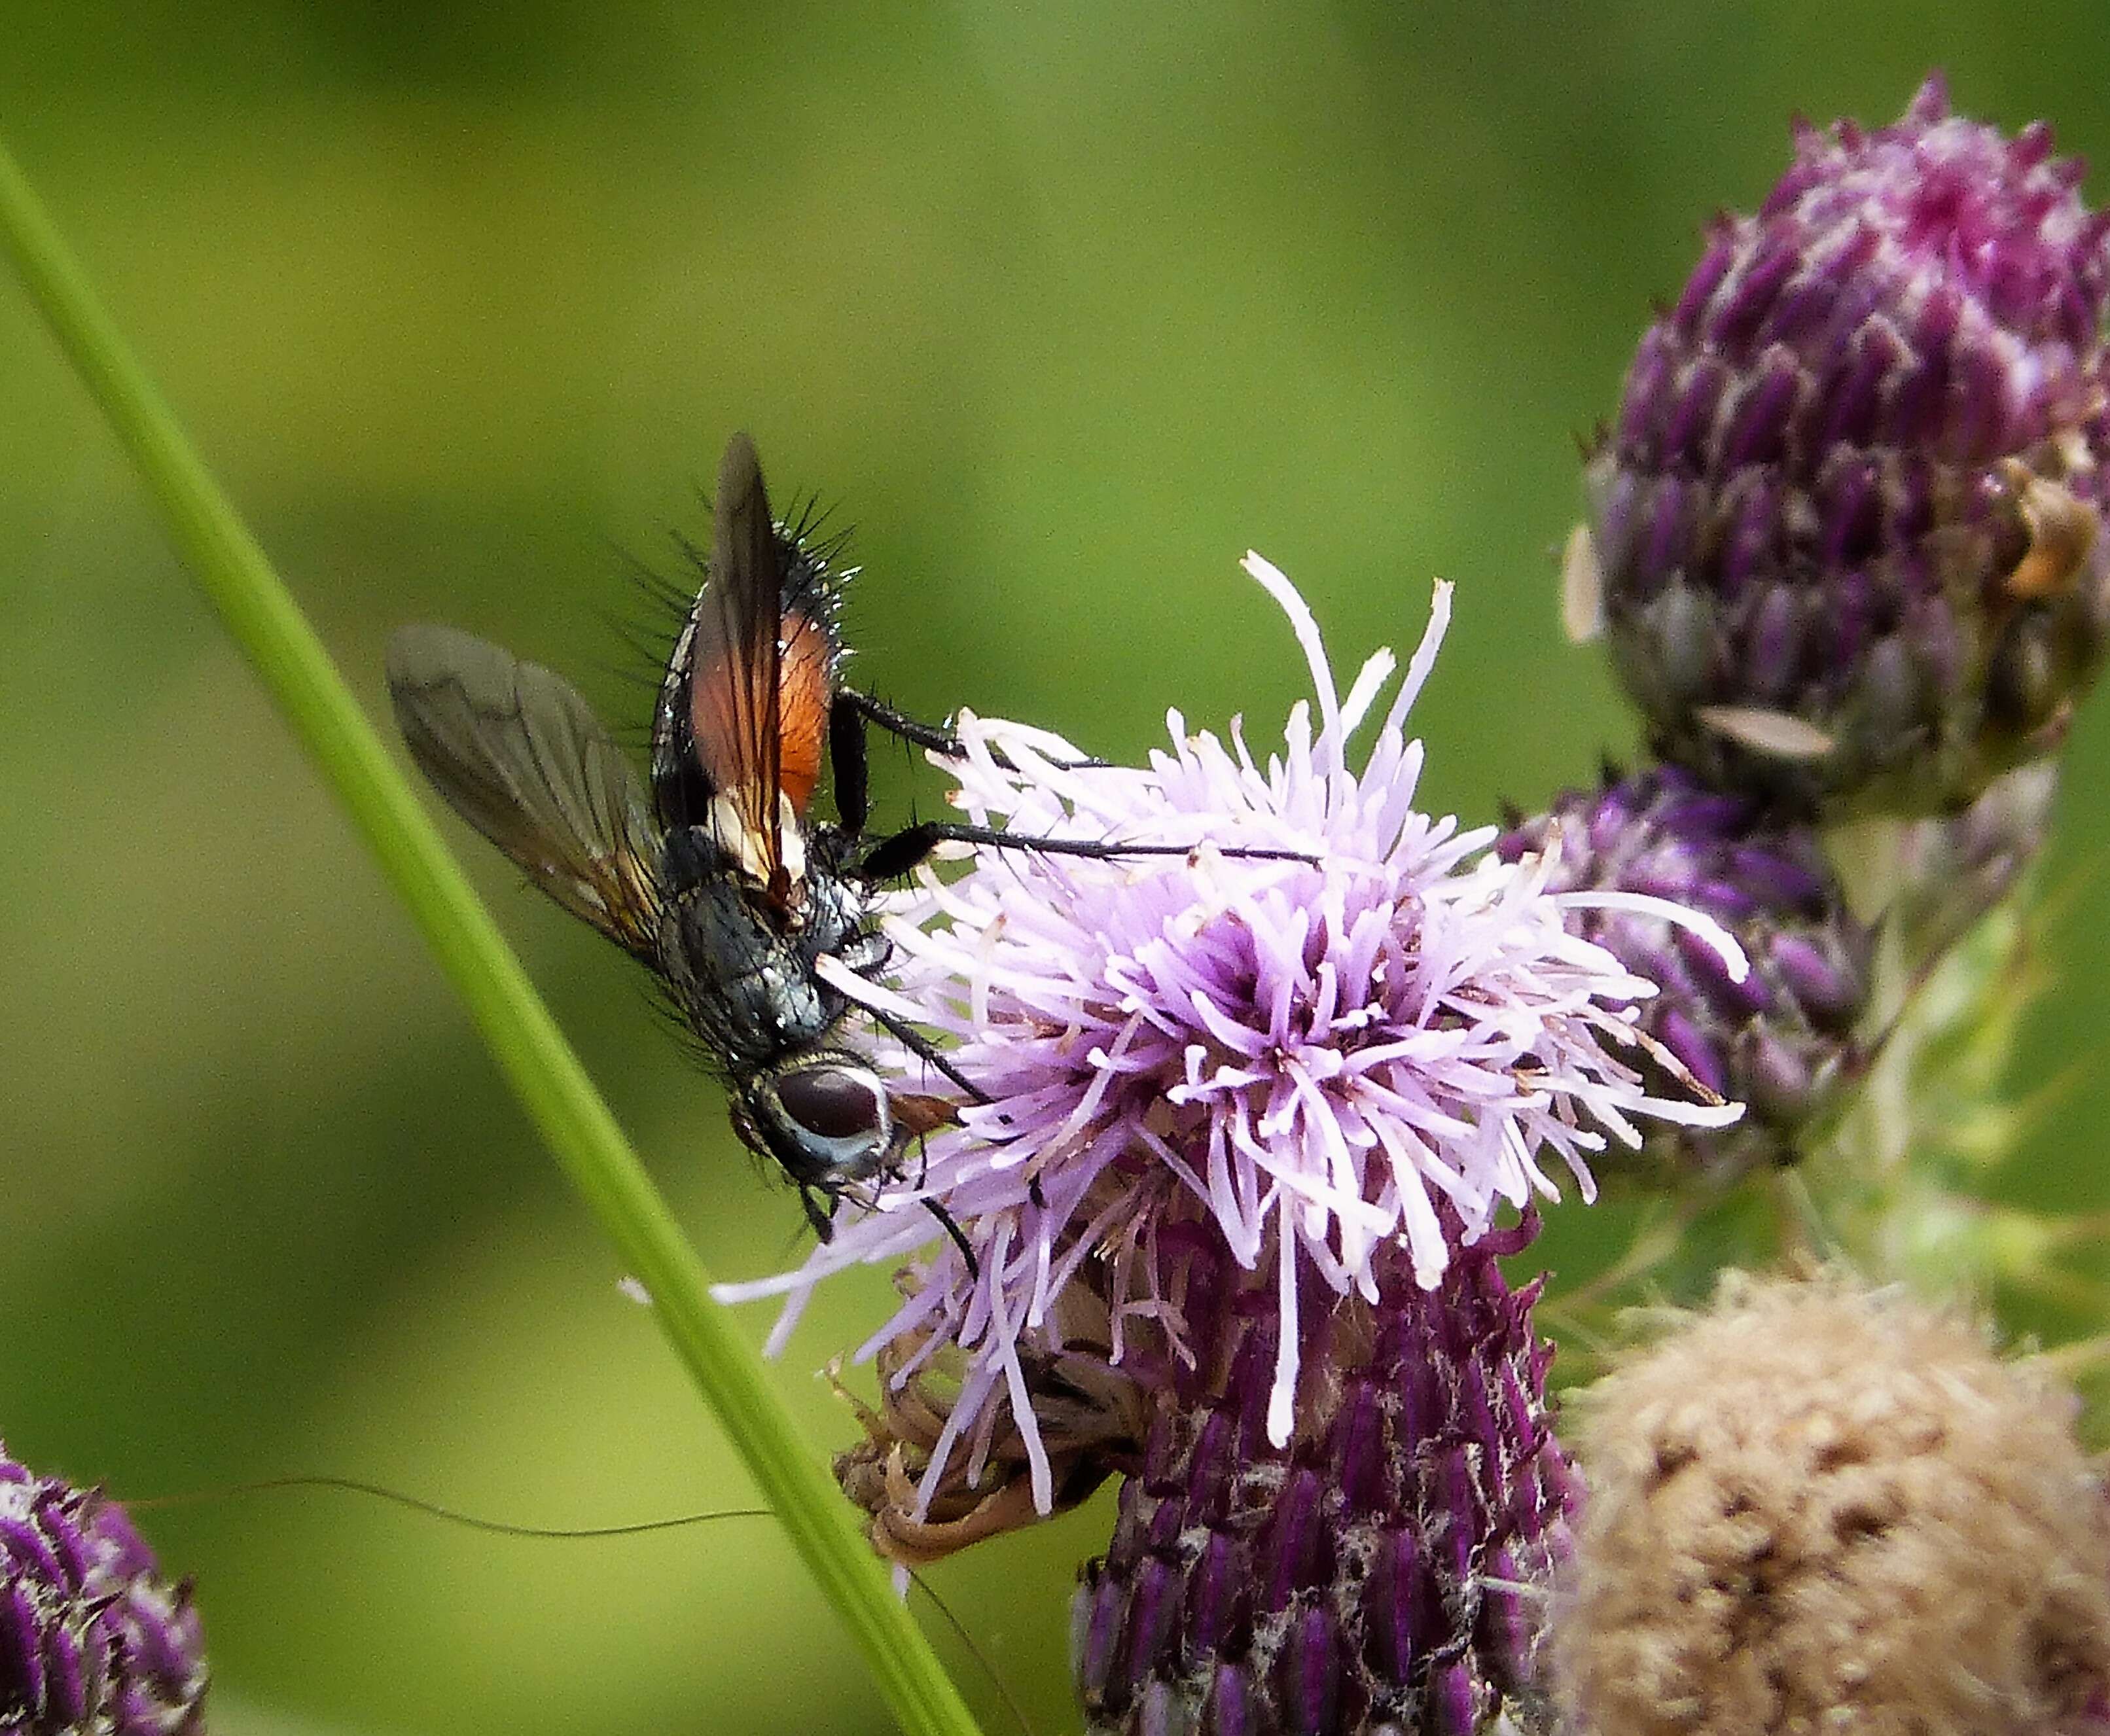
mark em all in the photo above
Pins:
pixel 1844 537
pixel 1322 1076
pixel 93 1641
pixel 1821 1508
pixel 1781 1038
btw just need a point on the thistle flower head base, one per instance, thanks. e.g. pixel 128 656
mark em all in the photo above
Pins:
pixel 1385 1568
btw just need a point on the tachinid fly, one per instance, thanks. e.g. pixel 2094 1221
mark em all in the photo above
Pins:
pixel 717 877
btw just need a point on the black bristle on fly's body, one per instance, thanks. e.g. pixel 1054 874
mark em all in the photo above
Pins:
pixel 660 1001
pixel 806 523
pixel 664 602
pixel 648 630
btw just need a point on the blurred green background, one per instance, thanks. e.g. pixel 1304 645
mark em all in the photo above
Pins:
pixel 1064 307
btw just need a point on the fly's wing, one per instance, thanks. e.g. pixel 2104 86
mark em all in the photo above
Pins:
pixel 761 669
pixel 520 756
pixel 733 661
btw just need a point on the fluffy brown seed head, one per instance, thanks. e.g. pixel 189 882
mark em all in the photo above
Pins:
pixel 1819 1509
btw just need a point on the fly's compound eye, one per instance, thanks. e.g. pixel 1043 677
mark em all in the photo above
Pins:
pixel 836 1118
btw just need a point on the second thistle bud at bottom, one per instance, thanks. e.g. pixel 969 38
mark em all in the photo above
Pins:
pixel 1382 1571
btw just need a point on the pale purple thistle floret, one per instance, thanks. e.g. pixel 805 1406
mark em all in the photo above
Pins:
pixel 1325 1050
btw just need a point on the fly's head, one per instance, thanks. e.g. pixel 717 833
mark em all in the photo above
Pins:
pixel 824 1116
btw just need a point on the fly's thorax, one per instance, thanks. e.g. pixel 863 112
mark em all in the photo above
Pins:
pixel 835 908
pixel 741 964
pixel 745 987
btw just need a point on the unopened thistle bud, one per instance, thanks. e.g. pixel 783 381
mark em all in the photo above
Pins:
pixel 93 1641
pixel 1817 1508
pixel 1779 1039
pixel 1845 539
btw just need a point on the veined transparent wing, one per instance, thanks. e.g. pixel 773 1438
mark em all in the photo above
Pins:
pixel 519 754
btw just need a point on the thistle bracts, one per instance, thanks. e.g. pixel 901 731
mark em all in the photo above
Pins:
pixel 1918 1177
pixel 1781 1039
pixel 93 1641
pixel 1383 1570
pixel 1844 533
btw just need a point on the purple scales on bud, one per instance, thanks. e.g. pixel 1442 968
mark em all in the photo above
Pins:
pixel 1843 538
pixel 93 1641
pixel 1781 1040
pixel 1385 1571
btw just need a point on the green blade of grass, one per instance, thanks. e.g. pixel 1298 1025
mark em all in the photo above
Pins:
pixel 238 580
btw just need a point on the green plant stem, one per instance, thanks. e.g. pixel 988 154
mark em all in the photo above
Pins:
pixel 238 580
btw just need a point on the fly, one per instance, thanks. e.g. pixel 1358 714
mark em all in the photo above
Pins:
pixel 718 876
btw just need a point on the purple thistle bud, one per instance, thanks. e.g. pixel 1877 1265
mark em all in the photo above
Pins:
pixel 1780 1039
pixel 93 1641
pixel 1386 1568
pixel 1288 1085
pixel 1844 533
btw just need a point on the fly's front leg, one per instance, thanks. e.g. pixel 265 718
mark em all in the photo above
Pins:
pixel 924 1049
pixel 935 736
pixel 892 857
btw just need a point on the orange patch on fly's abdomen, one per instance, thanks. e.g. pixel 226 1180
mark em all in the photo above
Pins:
pixel 805 690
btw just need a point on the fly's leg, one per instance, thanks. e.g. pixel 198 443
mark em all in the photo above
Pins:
pixel 932 736
pixel 935 737
pixel 925 1050
pixel 848 757
pixel 951 1226
pixel 820 1212
pixel 820 1207
pixel 892 857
